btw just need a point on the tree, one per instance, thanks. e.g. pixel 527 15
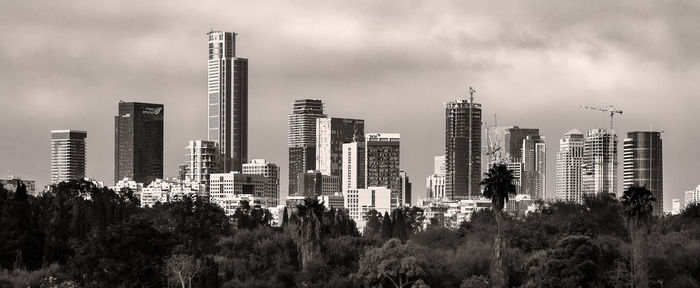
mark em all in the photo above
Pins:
pixel 373 227
pixel 306 230
pixel 399 264
pixel 399 230
pixel 387 227
pixel 637 206
pixel 498 186
pixel 573 263
pixel 285 217
pixel 184 267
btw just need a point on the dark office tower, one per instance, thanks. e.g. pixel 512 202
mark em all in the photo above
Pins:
pixel 534 167
pixel 462 150
pixel 331 134
pixel 67 155
pixel 138 142
pixel 301 139
pixel 405 188
pixel 514 137
pixel 643 164
pixel 382 165
pixel 228 100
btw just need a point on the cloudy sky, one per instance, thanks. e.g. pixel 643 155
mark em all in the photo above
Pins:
pixel 66 64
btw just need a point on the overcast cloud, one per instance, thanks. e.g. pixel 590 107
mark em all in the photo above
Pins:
pixel 66 64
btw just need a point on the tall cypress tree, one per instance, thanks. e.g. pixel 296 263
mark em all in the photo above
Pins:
pixel 399 230
pixel 285 217
pixel 387 226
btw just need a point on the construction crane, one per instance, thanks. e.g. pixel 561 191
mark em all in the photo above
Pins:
pixel 493 147
pixel 470 164
pixel 610 109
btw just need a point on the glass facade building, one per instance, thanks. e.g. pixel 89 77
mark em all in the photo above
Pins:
pixel 138 142
pixel 643 164
pixel 462 150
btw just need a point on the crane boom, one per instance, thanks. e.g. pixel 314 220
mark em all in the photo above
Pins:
pixel 611 109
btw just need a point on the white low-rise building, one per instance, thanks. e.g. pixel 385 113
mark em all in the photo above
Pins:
pixel 360 201
pixel 168 190
pixel 224 189
pixel 692 196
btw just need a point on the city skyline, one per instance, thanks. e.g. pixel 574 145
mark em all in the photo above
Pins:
pixel 607 67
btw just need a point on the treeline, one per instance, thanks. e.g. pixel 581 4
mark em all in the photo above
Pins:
pixel 80 235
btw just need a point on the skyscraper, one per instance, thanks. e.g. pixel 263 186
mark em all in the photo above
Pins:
pixel 406 188
pixel 569 166
pixel 138 142
pixel 271 172
pixel 382 165
pixel 331 134
pixel 67 155
pixel 643 164
pixel 462 149
pixel 301 140
pixel 353 175
pixel 600 162
pixel 514 137
pixel 534 173
pixel 202 160
pixel 228 100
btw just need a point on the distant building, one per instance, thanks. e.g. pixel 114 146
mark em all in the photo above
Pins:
pixel 569 167
pixel 521 205
pixel 643 164
pixel 405 188
pixel 435 183
pixel 676 206
pixel 225 188
pixel 514 137
pixel 168 190
pixel 202 160
pixel 360 201
pixel 692 196
pixel 336 201
pixel 382 166
pixel 312 184
pixel 129 183
pixel 301 140
pixel 534 173
pixel 10 184
pixel 331 134
pixel 67 155
pixel 599 172
pixel 353 175
pixel 271 172
pixel 138 142
pixel 462 150
pixel 227 94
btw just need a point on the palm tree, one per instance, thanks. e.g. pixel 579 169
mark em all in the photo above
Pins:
pixel 305 227
pixel 498 186
pixel 637 207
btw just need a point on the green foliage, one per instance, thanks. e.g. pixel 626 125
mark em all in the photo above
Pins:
pixel 572 263
pixel 387 227
pixel 394 264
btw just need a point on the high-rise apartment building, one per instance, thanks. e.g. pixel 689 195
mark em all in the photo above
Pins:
pixel 643 164
pixel 382 165
pixel 331 134
pixel 202 160
pixel 599 162
pixel 228 100
pixel 534 169
pixel 353 172
pixel 271 172
pixel 301 140
pixel 462 150
pixel 138 142
pixel 67 155
pixel 226 189
pixel 569 166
